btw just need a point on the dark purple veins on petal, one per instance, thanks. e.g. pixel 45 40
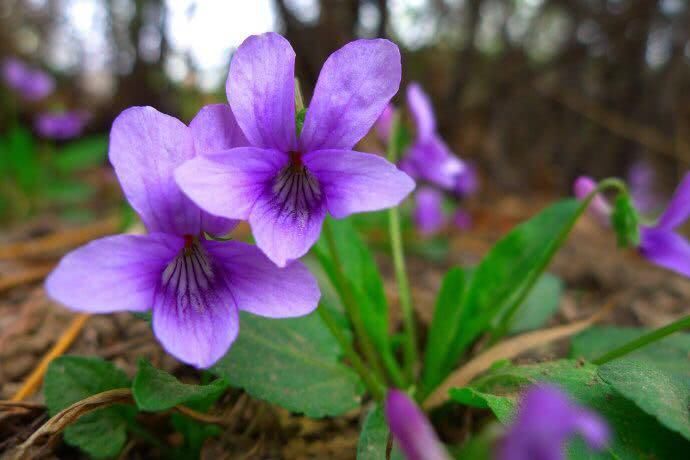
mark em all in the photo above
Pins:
pixel 296 192
pixel 189 277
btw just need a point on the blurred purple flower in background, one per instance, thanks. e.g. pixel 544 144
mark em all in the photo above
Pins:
pixel 429 159
pixel 546 420
pixel 194 287
pixel 411 429
pixel 284 184
pixel 428 212
pixel 641 180
pixel 30 83
pixel 61 125
pixel 659 243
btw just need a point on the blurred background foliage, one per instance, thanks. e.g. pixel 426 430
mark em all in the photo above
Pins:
pixel 533 91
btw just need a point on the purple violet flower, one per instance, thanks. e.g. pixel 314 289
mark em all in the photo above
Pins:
pixel 467 182
pixel 428 212
pixel 411 429
pixel 194 287
pixel 641 178
pixel 30 83
pixel 659 243
pixel 282 183
pixel 429 158
pixel 545 421
pixel 61 125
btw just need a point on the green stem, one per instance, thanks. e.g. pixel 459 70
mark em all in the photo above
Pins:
pixel 643 341
pixel 375 388
pixel 350 305
pixel 410 339
pixel 507 319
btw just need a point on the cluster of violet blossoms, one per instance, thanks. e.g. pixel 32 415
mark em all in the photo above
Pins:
pixel 545 421
pixel 659 243
pixel 238 161
pixel 428 159
pixel 32 84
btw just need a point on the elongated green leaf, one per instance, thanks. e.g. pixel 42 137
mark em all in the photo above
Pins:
pixel 363 281
pixel 82 154
pixel 69 379
pixel 447 314
pixel 156 390
pixel 510 269
pixel 373 439
pixel 541 303
pixel 22 160
pixel 661 394
pixel 636 435
pixel 293 363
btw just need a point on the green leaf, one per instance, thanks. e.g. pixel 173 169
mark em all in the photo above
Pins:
pixel 22 160
pixel 505 275
pixel 636 435
pixel 541 303
pixel 81 154
pixel 669 354
pixel 447 314
pixel 661 394
pixel 373 440
pixel 156 390
pixel 194 434
pixel 293 363
pixel 69 379
pixel 625 221
pixel 363 281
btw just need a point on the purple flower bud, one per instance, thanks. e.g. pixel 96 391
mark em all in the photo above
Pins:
pixel 428 213
pixel 411 429
pixel 546 420
pixel 61 125
pixel 462 219
pixel 599 207
pixel 30 83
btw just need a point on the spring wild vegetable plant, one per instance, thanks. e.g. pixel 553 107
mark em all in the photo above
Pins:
pixel 319 341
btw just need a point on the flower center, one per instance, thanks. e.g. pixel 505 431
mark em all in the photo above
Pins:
pixel 296 191
pixel 189 276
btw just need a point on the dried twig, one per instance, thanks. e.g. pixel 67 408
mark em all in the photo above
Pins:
pixel 68 416
pixel 509 349
pixel 34 380
pixel 28 275
pixel 61 240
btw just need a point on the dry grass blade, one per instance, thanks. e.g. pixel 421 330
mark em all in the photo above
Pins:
pixel 67 416
pixel 34 380
pixel 28 275
pixel 509 349
pixel 61 240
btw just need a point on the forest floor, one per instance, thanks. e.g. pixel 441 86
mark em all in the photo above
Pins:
pixel 594 272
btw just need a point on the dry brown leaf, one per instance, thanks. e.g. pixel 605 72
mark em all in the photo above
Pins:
pixel 509 349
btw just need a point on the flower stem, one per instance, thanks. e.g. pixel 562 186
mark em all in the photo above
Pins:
pixel 375 388
pixel 643 341
pixel 350 305
pixel 410 343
